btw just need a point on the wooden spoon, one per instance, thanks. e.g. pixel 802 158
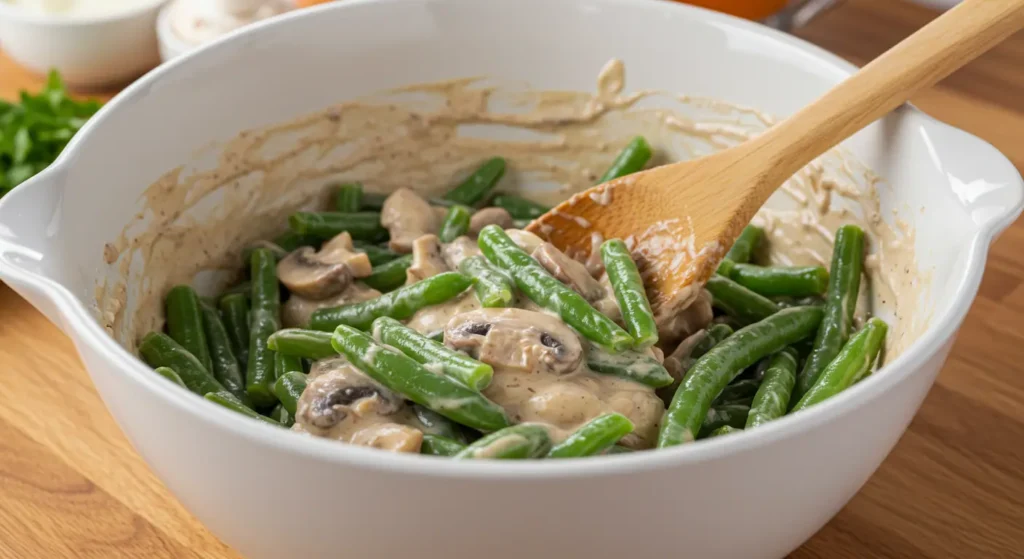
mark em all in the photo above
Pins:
pixel 683 217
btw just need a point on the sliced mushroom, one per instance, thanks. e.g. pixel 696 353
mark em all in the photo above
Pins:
pixel 389 436
pixel 319 274
pixel 683 315
pixel 407 217
pixel 526 241
pixel 426 259
pixel 516 339
pixel 295 312
pixel 489 216
pixel 458 250
pixel 569 272
pixel 338 390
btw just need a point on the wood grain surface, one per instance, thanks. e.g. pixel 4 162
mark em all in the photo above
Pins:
pixel 71 485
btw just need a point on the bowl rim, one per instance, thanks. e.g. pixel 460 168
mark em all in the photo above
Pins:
pixel 81 325
pixel 14 13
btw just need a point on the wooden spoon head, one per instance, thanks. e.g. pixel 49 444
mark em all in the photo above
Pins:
pixel 678 220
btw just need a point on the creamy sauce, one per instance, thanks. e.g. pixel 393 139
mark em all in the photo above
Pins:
pixel 200 21
pixel 396 139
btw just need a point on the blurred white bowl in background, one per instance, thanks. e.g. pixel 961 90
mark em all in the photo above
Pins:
pixel 89 51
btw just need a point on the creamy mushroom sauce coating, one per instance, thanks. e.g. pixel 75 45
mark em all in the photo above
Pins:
pixel 421 140
pixel 540 372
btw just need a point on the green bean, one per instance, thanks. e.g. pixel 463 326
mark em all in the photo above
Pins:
pixel 840 304
pixel 629 292
pixel 526 440
pixel 225 365
pixel 619 449
pixel 629 365
pixel 738 301
pixel 389 276
pixel 712 372
pixel 401 374
pixel 743 249
pixel 242 288
pixel 378 255
pixel 185 323
pixel 234 310
pixel 724 430
pixel 284 363
pixel 160 350
pixel 542 288
pixel 725 267
pixel 739 392
pixel 781 281
pixel 493 287
pixel 169 374
pixel 786 302
pixel 455 224
pixel 595 437
pixel 311 344
pixel 229 401
pixel 519 208
pixel 400 304
pixel 363 226
pixel 719 332
pixel 437 336
pixel 281 415
pixel 436 445
pixel 477 186
pixel 349 198
pixel 437 424
pixel 853 362
pixel 264 320
pixel 772 398
pixel 459 366
pixel 373 201
pixel 726 415
pixel 288 389
pixel 277 251
pixel 630 160
pixel 290 240
pixel 715 333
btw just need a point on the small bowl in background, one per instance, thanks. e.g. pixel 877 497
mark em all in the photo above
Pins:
pixel 89 51
pixel 171 45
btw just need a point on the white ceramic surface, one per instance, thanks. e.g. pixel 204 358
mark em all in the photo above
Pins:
pixel 89 51
pixel 272 494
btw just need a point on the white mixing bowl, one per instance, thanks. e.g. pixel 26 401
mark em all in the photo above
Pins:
pixel 270 493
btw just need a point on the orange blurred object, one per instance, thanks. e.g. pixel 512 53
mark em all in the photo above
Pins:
pixel 750 9
pixel 308 3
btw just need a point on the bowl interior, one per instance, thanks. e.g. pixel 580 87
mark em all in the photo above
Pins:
pixel 307 61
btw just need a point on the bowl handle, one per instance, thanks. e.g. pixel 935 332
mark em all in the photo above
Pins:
pixel 30 243
pixel 985 182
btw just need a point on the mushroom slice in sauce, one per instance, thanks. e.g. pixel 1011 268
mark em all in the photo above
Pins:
pixel 526 240
pixel 569 272
pixel 389 436
pixel 682 316
pixel 295 312
pixel 516 339
pixel 407 217
pixel 489 216
pixel 426 259
pixel 338 390
pixel 319 274
pixel 458 250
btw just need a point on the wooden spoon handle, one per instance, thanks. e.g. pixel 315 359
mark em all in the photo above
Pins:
pixel 932 53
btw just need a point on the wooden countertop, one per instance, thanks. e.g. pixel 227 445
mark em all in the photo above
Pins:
pixel 71 485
